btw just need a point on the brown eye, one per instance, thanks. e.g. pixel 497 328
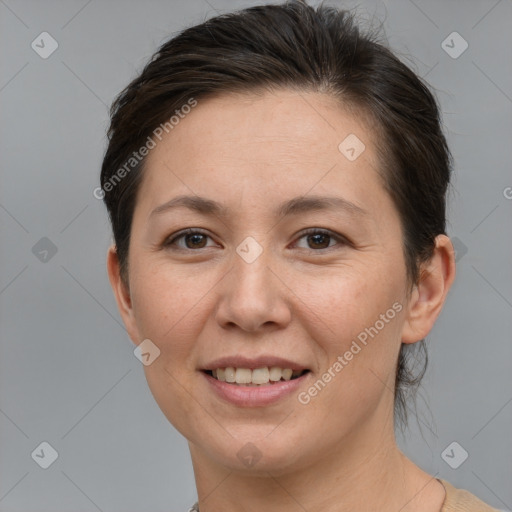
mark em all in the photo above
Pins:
pixel 318 239
pixel 193 239
pixel 196 240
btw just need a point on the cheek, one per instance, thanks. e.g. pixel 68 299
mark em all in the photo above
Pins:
pixel 168 305
pixel 355 319
pixel 346 301
pixel 167 308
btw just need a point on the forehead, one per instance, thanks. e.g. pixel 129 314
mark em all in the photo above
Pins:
pixel 284 117
pixel 258 144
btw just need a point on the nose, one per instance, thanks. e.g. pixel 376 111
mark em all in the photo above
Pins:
pixel 253 297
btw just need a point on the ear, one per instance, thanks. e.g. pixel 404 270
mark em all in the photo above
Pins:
pixel 121 294
pixel 428 296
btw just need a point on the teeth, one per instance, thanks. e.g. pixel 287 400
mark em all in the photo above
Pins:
pixel 230 374
pixel 243 376
pixel 275 373
pixel 258 376
pixel 287 374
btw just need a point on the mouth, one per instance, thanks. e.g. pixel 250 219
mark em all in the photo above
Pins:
pixel 257 377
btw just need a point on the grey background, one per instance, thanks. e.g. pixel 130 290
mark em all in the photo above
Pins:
pixel 68 373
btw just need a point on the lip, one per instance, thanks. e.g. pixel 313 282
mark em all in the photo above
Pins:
pixel 254 396
pixel 253 363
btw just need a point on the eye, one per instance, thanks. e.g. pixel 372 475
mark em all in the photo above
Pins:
pixel 193 239
pixel 319 239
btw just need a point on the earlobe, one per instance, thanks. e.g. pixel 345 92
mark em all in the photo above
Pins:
pixel 429 295
pixel 121 293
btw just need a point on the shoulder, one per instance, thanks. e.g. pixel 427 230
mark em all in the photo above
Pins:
pixel 457 500
pixel 460 500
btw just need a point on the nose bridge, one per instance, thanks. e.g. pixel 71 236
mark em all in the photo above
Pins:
pixel 251 268
pixel 252 278
pixel 251 295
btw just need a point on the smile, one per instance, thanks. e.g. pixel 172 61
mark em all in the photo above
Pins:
pixel 257 377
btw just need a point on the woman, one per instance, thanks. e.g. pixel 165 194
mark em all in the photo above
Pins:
pixel 276 185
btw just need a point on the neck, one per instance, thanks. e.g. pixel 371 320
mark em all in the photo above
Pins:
pixel 365 472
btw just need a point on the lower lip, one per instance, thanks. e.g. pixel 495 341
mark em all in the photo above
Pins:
pixel 254 396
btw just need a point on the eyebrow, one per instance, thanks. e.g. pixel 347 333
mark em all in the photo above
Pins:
pixel 295 206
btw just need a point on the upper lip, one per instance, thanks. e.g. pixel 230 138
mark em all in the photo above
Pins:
pixel 253 363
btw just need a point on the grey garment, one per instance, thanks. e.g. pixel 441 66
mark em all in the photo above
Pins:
pixel 194 508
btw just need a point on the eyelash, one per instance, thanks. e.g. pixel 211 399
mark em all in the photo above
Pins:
pixel 311 231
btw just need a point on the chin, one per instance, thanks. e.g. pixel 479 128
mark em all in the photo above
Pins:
pixel 258 453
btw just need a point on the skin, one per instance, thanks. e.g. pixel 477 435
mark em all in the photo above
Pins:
pixel 303 298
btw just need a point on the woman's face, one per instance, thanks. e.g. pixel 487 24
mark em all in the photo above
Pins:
pixel 250 288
